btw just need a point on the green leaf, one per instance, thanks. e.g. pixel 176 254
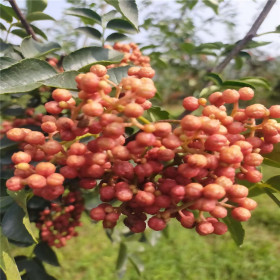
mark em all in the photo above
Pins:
pixel 36 16
pixel 6 62
pixel 236 84
pixel 2 26
pixel 254 44
pixel 7 13
pixel 7 262
pixel 214 77
pixel 36 5
pixel 272 196
pixel 208 90
pixel 236 230
pixel 213 4
pixel 274 183
pixel 34 269
pixel 122 258
pixel 137 264
pixel 187 47
pixel 121 25
pixel 82 59
pixel 31 48
pixel 88 14
pixel 5 202
pixel 117 74
pixel 271 162
pixel 46 254
pixel 21 198
pixel 214 46
pixel 38 31
pixel 107 17
pixel 63 80
pixel 13 227
pixel 156 113
pixel 128 9
pixel 20 33
pixel 90 32
pixel 114 37
pixel 191 3
pixel 25 75
pixel 257 82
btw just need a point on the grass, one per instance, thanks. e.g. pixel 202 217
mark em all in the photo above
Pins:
pixel 184 255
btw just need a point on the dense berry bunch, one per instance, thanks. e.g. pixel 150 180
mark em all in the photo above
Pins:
pixel 189 172
pixel 58 222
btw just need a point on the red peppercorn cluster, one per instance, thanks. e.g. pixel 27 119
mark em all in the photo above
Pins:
pixel 132 54
pixel 30 119
pixel 57 224
pixel 189 172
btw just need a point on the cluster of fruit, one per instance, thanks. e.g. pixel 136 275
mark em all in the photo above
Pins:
pixel 58 222
pixel 186 171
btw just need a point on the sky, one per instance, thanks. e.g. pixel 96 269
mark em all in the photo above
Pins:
pixel 247 11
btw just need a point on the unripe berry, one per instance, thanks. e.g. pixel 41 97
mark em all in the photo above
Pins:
pixel 36 181
pixel 197 160
pixel 93 109
pixel 231 154
pixel 193 191
pixel 204 228
pixel 61 95
pixel 219 212
pixel 253 176
pixel 146 72
pixel 89 82
pixel 241 214
pixel 99 70
pixel 248 203
pixel 246 93
pixel 52 147
pixel 49 127
pixel 156 223
pixel 253 159
pixel 133 110
pixel 53 108
pixel 45 168
pixel 144 198
pixel 237 191
pixel 190 103
pixel 15 183
pixel 35 138
pixel 55 179
pixel 191 122
pixel 162 129
pixel 97 213
pixel 20 157
pixel 274 111
pixel 230 96
pixel 256 111
pixel 16 134
pixel 214 191
pixel 220 228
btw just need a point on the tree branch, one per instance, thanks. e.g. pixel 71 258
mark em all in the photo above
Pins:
pixel 24 22
pixel 249 36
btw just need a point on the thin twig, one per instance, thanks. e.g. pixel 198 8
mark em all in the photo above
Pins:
pixel 24 22
pixel 249 36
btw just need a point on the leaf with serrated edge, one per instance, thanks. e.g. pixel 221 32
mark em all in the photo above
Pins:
pixel 31 48
pixel 25 75
pixel 90 31
pixel 7 262
pixel 116 74
pixel 236 230
pixel 21 198
pixel 64 80
pixel 84 58
pixel 128 9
